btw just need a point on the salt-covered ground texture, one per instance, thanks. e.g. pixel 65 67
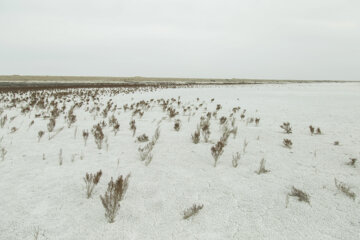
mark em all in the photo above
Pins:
pixel 42 198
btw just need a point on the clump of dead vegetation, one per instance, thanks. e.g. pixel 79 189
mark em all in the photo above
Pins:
pixel 262 168
pixel 195 137
pixel 216 151
pixel 205 128
pixel 85 135
pixel 235 159
pixel 312 130
pixel 143 138
pixel 146 151
pixel 98 135
pixel 114 194
pixel 40 135
pixel 3 153
pixel 192 211
pixel 287 128
pixel 299 194
pixel 344 188
pixel 91 180
pixel 287 143
pixel 133 126
pixel 177 125
pixel 352 162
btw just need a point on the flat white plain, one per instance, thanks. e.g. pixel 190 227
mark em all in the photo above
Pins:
pixel 36 192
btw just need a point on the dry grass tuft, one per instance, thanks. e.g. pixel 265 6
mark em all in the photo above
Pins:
pixel 192 211
pixel 113 195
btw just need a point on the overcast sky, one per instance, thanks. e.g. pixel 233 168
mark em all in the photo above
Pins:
pixel 273 39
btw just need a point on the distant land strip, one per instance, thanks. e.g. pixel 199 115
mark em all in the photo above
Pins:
pixel 24 82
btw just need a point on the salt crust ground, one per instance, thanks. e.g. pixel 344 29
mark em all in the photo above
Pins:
pixel 238 203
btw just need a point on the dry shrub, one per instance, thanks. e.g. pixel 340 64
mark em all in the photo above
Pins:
pixel 143 138
pixel 91 180
pixel 287 143
pixel 235 159
pixel 3 153
pixel 312 129
pixel 145 152
pixel 3 121
pixel 71 118
pixel 60 157
pixel 352 162
pixel 98 135
pixel 216 151
pixel 318 131
pixel 286 126
pixel 113 195
pixel 85 135
pixel 262 168
pixel 13 129
pixel 172 112
pixel 301 195
pixel 196 136
pixel 40 134
pixel 192 211
pixel 245 144
pixel 205 129
pixel 177 125
pixel 257 121
pixel 51 124
pixel 132 126
pixel 222 120
pixel 345 189
pixel 336 143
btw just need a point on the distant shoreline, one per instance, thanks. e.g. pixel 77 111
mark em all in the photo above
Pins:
pixel 23 82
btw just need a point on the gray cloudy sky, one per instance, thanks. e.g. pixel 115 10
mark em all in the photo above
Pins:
pixel 276 39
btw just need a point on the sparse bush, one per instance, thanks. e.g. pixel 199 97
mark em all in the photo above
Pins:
pixel 143 138
pixel 301 195
pixel 192 211
pixel 225 136
pixel 352 162
pixel 257 121
pixel 345 189
pixel 336 143
pixel 71 118
pixel 132 126
pixel 3 153
pixel 222 120
pixel 312 129
pixel 156 136
pixel 113 195
pixel 245 144
pixel 31 123
pixel 40 134
pixel 98 135
pixel 91 180
pixel 51 124
pixel 3 121
pixel 205 129
pixel 85 135
pixel 262 167
pixel 177 125
pixel 172 112
pixel 60 157
pixel 235 159
pixel 216 151
pixel 287 128
pixel 13 129
pixel 196 136
pixel 318 131
pixel 116 128
pixel 287 143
